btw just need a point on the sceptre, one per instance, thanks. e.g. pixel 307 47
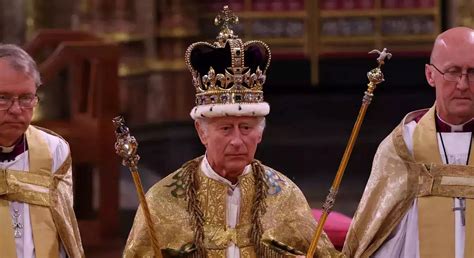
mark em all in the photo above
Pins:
pixel 126 147
pixel 375 77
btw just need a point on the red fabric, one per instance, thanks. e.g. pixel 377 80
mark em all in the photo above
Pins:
pixel 336 227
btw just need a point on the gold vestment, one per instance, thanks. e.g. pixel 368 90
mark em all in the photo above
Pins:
pixel 50 198
pixel 288 225
pixel 396 179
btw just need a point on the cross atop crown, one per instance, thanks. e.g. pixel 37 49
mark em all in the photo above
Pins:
pixel 225 19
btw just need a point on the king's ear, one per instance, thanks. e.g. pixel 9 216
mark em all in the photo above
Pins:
pixel 201 132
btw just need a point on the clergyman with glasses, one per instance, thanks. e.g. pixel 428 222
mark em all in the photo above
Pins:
pixel 36 201
pixel 419 200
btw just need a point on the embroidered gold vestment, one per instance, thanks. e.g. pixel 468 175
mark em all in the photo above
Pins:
pixel 397 178
pixel 50 198
pixel 287 222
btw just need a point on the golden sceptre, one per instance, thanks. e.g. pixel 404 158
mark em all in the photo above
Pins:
pixel 126 147
pixel 375 77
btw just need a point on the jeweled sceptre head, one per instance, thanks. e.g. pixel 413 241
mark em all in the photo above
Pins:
pixel 126 145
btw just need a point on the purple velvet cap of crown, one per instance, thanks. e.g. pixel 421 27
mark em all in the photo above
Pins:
pixel 205 56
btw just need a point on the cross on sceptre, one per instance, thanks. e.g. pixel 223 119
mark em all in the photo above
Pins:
pixel 17 225
pixel 462 209
pixel 382 55
pixel 225 19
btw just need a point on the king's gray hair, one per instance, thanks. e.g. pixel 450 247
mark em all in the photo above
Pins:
pixel 20 61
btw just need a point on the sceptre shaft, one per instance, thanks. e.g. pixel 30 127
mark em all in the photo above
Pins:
pixel 375 77
pixel 126 147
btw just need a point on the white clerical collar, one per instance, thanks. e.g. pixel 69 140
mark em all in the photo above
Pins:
pixel 455 128
pixel 209 172
pixel 7 149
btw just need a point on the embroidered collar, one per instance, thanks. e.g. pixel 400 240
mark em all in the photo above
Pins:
pixel 209 172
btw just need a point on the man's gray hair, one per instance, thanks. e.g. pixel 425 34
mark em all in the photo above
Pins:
pixel 20 61
pixel 204 123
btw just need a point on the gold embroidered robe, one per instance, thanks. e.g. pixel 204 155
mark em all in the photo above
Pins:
pixel 288 220
pixel 50 198
pixel 396 179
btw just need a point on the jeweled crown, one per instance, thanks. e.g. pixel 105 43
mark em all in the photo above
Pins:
pixel 228 71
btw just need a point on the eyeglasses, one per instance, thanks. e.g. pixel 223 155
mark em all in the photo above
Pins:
pixel 455 76
pixel 24 101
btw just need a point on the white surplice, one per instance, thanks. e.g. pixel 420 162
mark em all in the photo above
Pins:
pixel 403 241
pixel 59 152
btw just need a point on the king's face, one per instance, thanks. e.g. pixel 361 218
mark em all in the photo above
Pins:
pixel 15 120
pixel 231 143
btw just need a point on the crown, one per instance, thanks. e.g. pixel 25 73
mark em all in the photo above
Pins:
pixel 228 71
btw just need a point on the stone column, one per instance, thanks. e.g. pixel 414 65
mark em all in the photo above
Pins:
pixel 146 24
pixel 13 21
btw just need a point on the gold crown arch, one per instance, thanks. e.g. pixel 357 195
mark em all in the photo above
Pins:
pixel 238 84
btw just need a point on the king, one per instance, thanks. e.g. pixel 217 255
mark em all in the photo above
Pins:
pixel 226 203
